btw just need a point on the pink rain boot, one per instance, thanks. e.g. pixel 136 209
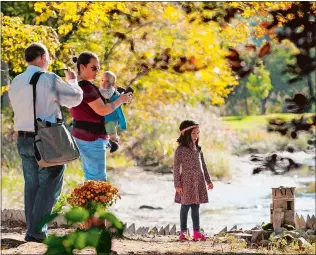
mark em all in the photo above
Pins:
pixel 198 236
pixel 183 235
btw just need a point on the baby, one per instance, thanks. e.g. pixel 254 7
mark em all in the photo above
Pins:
pixel 116 118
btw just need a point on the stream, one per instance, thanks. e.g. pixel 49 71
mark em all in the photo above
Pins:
pixel 243 201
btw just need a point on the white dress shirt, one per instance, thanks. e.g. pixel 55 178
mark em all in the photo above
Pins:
pixel 50 89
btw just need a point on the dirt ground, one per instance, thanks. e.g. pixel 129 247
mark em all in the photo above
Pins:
pixel 12 241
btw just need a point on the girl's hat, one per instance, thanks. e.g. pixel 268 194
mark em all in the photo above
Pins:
pixel 185 129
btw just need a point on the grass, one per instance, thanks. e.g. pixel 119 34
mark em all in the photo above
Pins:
pixel 118 161
pixel 310 188
pixel 13 182
pixel 258 121
pixel 219 164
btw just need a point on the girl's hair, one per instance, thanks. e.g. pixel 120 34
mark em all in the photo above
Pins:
pixel 83 59
pixel 185 138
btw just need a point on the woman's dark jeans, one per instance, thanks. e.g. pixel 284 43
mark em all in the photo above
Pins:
pixel 194 214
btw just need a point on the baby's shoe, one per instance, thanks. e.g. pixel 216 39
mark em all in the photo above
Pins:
pixel 198 236
pixel 183 235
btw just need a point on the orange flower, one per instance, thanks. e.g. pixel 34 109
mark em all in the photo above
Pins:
pixel 91 192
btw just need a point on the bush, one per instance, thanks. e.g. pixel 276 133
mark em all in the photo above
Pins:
pixel 219 164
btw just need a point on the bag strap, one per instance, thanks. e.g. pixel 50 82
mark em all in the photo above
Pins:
pixel 33 82
pixel 87 83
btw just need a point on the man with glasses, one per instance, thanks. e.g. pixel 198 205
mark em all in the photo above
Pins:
pixel 42 185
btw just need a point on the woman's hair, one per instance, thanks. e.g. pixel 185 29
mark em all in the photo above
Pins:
pixel 33 51
pixel 185 137
pixel 83 59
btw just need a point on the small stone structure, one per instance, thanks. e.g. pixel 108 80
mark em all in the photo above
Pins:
pixel 282 209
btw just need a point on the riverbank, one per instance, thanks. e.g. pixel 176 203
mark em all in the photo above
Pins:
pixel 243 201
pixel 14 240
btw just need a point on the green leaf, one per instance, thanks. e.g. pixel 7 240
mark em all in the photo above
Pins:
pixel 47 219
pixel 93 237
pixel 112 218
pixel 105 243
pixel 54 240
pixel 81 241
pixel 60 250
pixel 77 214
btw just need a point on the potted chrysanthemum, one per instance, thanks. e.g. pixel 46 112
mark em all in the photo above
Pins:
pixel 94 196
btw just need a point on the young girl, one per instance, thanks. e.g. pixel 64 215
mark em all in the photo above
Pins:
pixel 190 176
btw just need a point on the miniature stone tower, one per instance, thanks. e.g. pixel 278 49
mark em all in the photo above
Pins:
pixel 282 207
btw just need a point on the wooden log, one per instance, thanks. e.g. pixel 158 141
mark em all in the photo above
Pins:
pixel 224 230
pixel 173 230
pixel 242 236
pixel 131 229
pixel 154 231
pixel 139 230
pixel 302 223
pixel 297 221
pixel 145 231
pixel 161 231
pixel 308 223
pixel 313 220
pixel 233 228
pixel 166 229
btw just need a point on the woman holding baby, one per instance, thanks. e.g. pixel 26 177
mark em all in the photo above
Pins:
pixel 88 124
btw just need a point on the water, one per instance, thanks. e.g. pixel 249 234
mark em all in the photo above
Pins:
pixel 245 201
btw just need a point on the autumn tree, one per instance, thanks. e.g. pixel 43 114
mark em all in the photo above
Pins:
pixel 152 46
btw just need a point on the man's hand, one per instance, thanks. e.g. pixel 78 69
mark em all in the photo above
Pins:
pixel 210 186
pixel 70 74
pixel 179 190
pixel 125 98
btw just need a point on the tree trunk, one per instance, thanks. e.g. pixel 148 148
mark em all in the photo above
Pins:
pixel 264 102
pixel 246 106
pixel 263 106
pixel 5 80
pixel 245 99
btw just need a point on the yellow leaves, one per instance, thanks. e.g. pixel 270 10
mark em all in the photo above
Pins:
pixel 248 13
pixel 171 14
pixel 64 29
pixel 39 6
pixel 16 37
pixel 4 89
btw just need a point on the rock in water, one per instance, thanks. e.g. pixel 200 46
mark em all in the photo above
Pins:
pixel 150 207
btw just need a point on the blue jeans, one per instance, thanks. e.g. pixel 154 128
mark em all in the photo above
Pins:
pixel 42 188
pixel 93 158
